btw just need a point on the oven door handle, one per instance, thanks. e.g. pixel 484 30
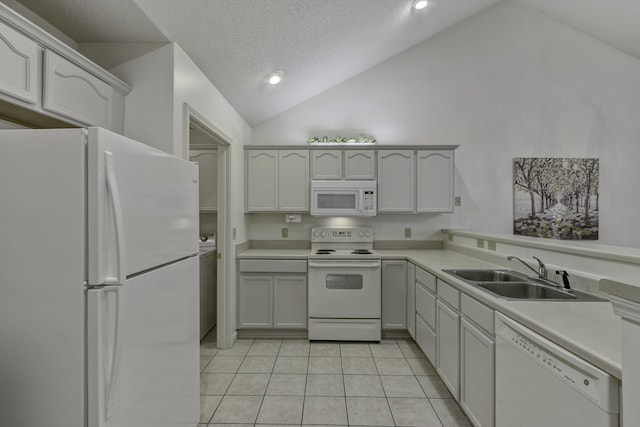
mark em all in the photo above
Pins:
pixel 337 264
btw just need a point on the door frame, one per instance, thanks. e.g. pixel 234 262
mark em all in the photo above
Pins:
pixel 224 323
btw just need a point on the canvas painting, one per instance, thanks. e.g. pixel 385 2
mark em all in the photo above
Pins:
pixel 556 198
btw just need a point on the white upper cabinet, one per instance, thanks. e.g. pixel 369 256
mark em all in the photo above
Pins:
pixel 262 180
pixel 343 164
pixel 326 164
pixel 293 180
pixel 415 181
pixel 277 180
pixel 207 160
pixel 74 93
pixel 359 165
pixel 19 70
pixel 434 181
pixel 396 181
pixel 47 79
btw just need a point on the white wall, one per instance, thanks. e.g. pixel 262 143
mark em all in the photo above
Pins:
pixel 508 82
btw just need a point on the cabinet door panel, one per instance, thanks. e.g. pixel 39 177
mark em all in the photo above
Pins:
pixel 293 180
pixel 435 181
pixel 19 70
pixel 426 339
pixel 396 181
pixel 411 300
pixel 327 164
pixel 359 164
pixel 73 92
pixel 290 302
pixel 208 178
pixel 426 304
pixel 477 385
pixel 448 347
pixel 255 302
pixel 394 294
pixel 262 180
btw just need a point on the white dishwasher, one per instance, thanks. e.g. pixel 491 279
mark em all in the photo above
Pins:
pixel 539 383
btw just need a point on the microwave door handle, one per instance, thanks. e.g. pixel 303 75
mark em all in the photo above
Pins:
pixel 360 206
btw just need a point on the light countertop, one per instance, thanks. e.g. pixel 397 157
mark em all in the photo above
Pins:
pixel 588 329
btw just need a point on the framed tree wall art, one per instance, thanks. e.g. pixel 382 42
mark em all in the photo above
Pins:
pixel 556 198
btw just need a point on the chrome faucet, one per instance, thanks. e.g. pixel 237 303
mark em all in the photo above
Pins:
pixel 542 269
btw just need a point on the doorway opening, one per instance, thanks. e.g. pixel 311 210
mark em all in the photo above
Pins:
pixel 207 145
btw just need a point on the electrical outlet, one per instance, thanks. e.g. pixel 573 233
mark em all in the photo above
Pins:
pixel 450 237
pixel 285 232
pixel 457 200
pixel 491 245
pixel 479 243
pixel 233 233
pixel 407 232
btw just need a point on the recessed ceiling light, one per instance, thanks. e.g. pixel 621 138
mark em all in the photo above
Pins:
pixel 275 77
pixel 420 4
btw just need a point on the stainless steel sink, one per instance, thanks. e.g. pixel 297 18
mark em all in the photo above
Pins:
pixel 512 285
pixel 524 290
pixel 484 275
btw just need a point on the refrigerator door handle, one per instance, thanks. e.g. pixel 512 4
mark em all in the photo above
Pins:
pixel 104 342
pixel 114 196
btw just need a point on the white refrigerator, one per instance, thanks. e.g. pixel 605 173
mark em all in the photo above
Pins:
pixel 98 282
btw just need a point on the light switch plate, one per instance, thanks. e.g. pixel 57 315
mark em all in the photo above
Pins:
pixel 480 243
pixel 407 232
pixel 491 245
pixel 285 232
pixel 457 200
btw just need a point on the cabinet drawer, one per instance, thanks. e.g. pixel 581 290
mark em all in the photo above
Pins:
pixel 426 278
pixel 426 305
pixel 19 70
pixel 426 339
pixel 74 93
pixel 449 294
pixel 273 266
pixel 482 315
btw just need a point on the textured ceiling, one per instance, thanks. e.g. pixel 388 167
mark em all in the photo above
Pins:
pixel 317 43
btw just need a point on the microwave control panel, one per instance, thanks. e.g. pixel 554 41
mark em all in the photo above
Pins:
pixel 369 200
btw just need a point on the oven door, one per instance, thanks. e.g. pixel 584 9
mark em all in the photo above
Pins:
pixel 344 289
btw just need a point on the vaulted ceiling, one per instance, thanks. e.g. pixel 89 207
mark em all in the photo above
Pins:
pixel 317 43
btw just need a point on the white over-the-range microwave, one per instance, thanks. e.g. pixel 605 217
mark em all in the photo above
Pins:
pixel 343 198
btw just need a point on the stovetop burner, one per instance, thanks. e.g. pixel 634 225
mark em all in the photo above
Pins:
pixel 361 252
pixel 325 251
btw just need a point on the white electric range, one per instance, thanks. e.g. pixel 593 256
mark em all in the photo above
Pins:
pixel 344 285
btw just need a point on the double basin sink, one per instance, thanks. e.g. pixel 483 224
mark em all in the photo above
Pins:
pixel 511 285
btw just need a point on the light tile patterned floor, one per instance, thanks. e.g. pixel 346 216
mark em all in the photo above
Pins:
pixel 295 382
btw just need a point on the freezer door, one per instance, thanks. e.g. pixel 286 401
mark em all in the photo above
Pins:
pixel 143 350
pixel 142 207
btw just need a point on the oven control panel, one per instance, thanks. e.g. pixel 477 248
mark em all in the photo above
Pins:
pixel 342 234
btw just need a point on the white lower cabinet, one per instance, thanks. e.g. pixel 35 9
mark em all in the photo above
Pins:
pixel 477 382
pixel 448 347
pixel 255 301
pixel 394 294
pixel 426 313
pixel 477 362
pixel 272 293
pixel 411 300
pixel 290 301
